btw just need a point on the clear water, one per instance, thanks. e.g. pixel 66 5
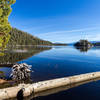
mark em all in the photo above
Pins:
pixel 61 61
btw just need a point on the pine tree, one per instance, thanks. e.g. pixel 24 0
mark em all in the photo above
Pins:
pixel 5 28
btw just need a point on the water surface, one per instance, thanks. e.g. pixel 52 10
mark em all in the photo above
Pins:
pixel 56 62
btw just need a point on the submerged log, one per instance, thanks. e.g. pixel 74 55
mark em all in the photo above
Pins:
pixel 27 89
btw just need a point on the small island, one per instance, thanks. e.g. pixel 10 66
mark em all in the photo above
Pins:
pixel 83 45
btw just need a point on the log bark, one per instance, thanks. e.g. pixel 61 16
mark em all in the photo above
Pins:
pixel 35 88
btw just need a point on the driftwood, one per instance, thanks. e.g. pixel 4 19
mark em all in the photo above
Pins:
pixel 24 90
pixel 21 72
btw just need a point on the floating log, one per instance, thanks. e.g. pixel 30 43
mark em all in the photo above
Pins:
pixel 24 90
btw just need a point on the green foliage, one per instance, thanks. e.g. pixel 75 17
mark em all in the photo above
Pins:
pixel 5 28
pixel 22 38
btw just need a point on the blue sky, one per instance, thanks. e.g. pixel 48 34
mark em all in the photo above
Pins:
pixel 62 21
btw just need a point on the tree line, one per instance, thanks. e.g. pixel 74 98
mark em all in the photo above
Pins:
pixel 19 37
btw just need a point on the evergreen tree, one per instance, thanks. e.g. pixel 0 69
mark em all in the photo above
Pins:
pixel 5 28
pixel 18 37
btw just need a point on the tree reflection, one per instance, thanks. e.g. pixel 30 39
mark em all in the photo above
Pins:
pixel 83 48
pixel 16 54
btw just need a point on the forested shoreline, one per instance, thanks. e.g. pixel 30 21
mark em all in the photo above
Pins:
pixel 19 37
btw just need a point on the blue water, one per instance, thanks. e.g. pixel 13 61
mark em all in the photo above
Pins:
pixel 62 61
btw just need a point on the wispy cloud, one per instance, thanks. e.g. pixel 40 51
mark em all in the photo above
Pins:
pixel 91 33
pixel 71 31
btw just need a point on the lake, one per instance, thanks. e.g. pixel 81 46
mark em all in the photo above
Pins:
pixel 57 62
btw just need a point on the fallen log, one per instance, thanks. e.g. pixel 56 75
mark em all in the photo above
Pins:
pixel 25 90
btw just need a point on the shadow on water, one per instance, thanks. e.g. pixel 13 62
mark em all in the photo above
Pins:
pixel 16 54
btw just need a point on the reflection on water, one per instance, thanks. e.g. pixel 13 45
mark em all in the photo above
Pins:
pixel 13 55
pixel 83 48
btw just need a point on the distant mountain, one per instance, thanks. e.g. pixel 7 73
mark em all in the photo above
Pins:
pixel 94 41
pixel 71 44
pixel 60 44
pixel 19 37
